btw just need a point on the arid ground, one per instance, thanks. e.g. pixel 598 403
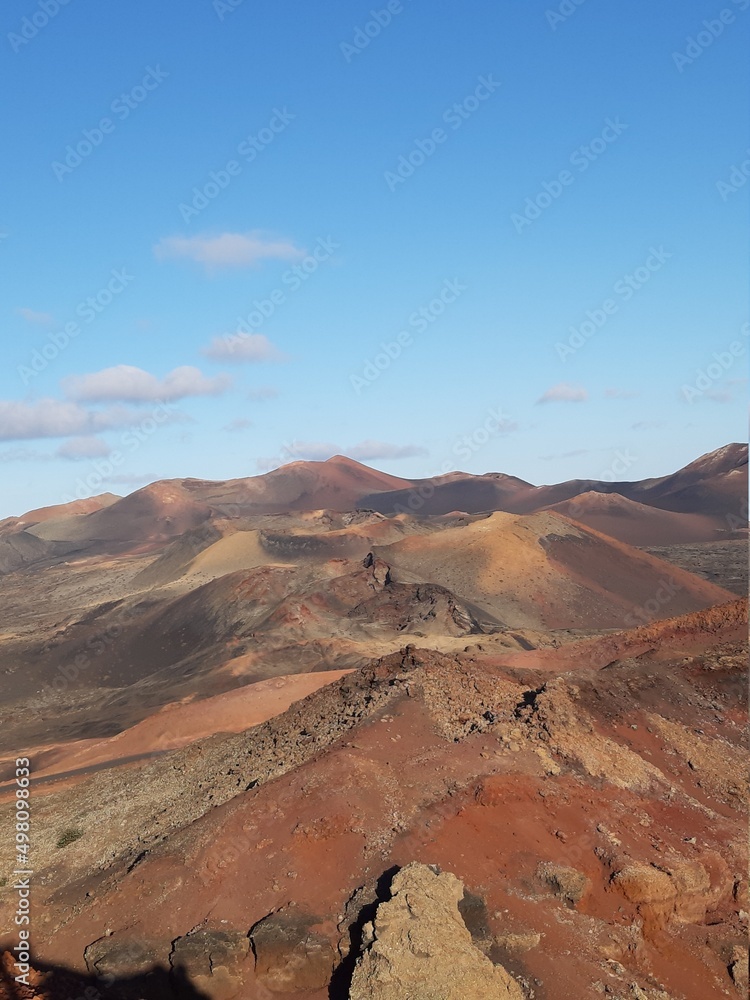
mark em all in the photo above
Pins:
pixel 269 720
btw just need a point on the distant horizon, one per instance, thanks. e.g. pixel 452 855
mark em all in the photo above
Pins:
pixel 375 468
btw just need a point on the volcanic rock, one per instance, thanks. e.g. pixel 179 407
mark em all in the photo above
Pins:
pixel 289 955
pixel 422 948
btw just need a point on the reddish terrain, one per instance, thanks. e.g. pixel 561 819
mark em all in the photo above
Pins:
pixel 243 721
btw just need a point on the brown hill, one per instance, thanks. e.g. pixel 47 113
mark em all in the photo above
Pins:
pixel 638 524
pixel 714 485
pixel 338 483
pixel 544 571
pixel 154 513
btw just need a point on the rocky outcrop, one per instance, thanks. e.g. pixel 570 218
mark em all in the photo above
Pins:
pixel 677 889
pixel 290 956
pixel 738 970
pixel 420 946
pixel 212 960
pixel 566 883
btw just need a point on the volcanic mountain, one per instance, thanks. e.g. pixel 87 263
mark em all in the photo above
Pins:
pixel 257 709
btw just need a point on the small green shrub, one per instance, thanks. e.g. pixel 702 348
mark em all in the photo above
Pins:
pixel 69 836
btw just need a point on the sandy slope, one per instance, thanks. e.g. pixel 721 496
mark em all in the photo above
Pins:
pixel 181 723
pixel 638 524
pixel 543 570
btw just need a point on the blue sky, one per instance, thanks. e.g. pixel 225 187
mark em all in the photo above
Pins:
pixel 470 184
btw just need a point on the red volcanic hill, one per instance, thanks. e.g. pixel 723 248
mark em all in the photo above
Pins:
pixel 704 501
pixel 156 512
pixel 338 483
pixel 544 571
pixel 713 486
pixel 637 523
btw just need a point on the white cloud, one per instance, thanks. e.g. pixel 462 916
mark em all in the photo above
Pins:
pixel 228 249
pixel 250 348
pixel 44 418
pixel 128 384
pixel 564 392
pixel 32 316
pixel 54 418
pixel 79 448
pixel 24 455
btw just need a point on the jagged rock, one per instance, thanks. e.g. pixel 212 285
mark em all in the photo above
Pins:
pixel 519 942
pixel 641 883
pixel 212 959
pixel 567 884
pixel 422 948
pixel 680 890
pixel 738 970
pixel 114 956
pixel 289 955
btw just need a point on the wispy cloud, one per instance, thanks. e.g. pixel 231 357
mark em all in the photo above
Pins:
pixel 564 392
pixel 54 418
pixel 369 451
pixel 566 454
pixel 647 425
pixel 249 348
pixel 38 318
pixel 133 478
pixel 78 449
pixel 24 455
pixel 320 451
pixel 620 393
pixel 262 393
pixel 127 384
pixel 238 424
pixel 228 249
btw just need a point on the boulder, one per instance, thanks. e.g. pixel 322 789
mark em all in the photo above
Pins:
pixel 567 884
pixel 738 970
pixel 211 959
pixel 290 956
pixel 421 948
